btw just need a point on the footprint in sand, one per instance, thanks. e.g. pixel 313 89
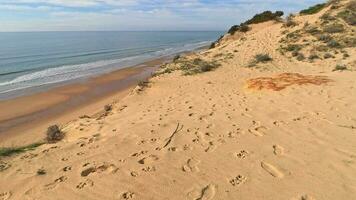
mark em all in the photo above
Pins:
pixel 242 154
pixel 5 195
pixel 278 150
pixel 191 165
pixel 4 166
pixel 238 180
pixel 259 131
pixel 128 195
pixel 207 193
pixel 86 183
pixel 212 147
pixel 109 168
pixel 272 170
pixel 303 197
pixel 55 183
pixel 149 159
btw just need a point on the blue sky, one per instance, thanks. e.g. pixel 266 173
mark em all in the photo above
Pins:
pixel 80 15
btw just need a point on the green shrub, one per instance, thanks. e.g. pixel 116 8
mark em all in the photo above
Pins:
pixel 328 55
pixel 239 28
pixel 340 68
pixel 264 17
pixel 334 44
pixel 334 28
pixel 313 57
pixel 54 134
pixel 348 16
pixel 313 9
pixel 9 151
pixel 300 57
pixel 324 38
pixel 176 58
pixel 262 58
pixel 198 66
pixel 293 47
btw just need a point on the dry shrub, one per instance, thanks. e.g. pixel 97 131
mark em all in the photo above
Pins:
pixel 54 134
pixel 285 80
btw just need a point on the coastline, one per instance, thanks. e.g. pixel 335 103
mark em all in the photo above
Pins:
pixel 30 114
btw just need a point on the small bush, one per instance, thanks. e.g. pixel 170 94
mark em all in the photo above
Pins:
pixel 197 66
pixel 293 47
pixel 107 108
pixel 264 17
pixel 324 38
pixel 176 58
pixel 239 28
pixel 328 55
pixel 9 151
pixel 54 134
pixel 313 57
pixel 334 28
pixel 340 68
pixel 313 9
pixel 312 30
pixel 300 57
pixel 334 44
pixel 290 21
pixel 348 16
pixel 41 172
pixel 262 58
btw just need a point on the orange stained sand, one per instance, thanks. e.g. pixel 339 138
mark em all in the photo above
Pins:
pixel 285 80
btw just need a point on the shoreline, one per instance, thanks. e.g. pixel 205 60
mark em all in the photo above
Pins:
pixel 67 102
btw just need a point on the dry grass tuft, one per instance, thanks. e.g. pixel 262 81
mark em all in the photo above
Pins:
pixel 282 81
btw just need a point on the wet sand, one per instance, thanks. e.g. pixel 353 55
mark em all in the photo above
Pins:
pixel 34 113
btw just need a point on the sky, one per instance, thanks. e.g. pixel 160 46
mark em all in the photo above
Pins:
pixel 135 15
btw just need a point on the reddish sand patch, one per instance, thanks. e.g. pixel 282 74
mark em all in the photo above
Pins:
pixel 285 80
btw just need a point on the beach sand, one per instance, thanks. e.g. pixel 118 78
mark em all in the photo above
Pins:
pixel 282 130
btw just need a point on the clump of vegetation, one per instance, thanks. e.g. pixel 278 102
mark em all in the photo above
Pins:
pixel 334 28
pixel 290 21
pixel 300 57
pixel 54 134
pixel 176 58
pixel 239 28
pixel 265 16
pixel 349 14
pixel 41 172
pixel 334 44
pixel 313 9
pixel 197 66
pixel 324 37
pixel 293 47
pixel 328 55
pixel 107 108
pixel 9 151
pixel 313 57
pixel 313 30
pixel 213 44
pixel 262 58
pixel 340 68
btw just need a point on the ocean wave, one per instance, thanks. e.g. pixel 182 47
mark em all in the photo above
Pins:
pixel 72 72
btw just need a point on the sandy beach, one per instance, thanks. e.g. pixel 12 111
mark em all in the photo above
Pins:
pixel 264 114
pixel 31 114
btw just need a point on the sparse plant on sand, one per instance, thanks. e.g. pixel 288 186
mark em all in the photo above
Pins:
pixel 197 66
pixel 54 134
pixel 334 28
pixel 263 58
pixel 9 151
pixel 107 108
pixel 41 172
pixel 340 68
pixel 313 9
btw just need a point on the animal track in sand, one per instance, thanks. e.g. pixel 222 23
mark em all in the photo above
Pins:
pixel 86 183
pixel 242 154
pixel 303 197
pixel 272 170
pixel 238 180
pixel 258 131
pixel 5 195
pixel 207 193
pixel 67 168
pixel 212 147
pixel 55 183
pixel 128 195
pixel 278 150
pixel 149 159
pixel 139 154
pixel 109 168
pixel 191 165
pixel 4 166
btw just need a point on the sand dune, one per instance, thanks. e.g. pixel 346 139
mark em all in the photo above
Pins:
pixel 209 136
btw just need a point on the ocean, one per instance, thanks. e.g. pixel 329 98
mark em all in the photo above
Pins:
pixel 30 61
